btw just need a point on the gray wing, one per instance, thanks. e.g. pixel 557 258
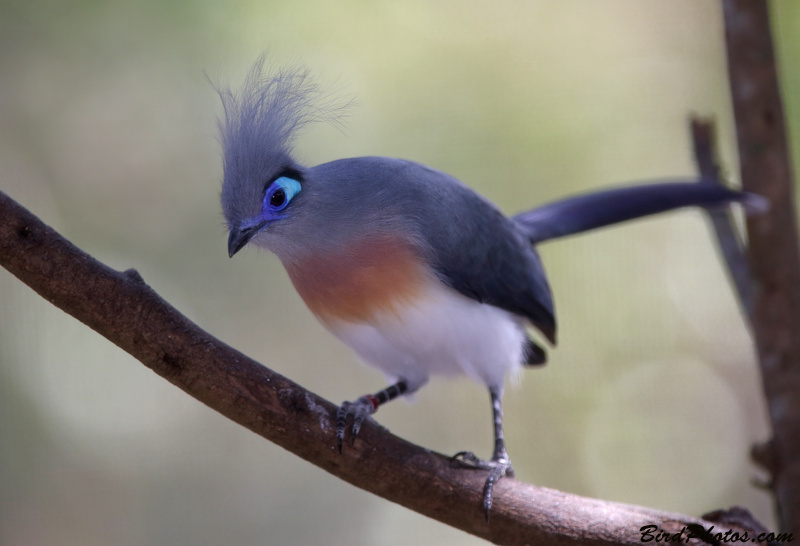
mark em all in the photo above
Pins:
pixel 482 254
pixel 471 246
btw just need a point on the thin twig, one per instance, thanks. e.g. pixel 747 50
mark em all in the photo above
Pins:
pixel 728 237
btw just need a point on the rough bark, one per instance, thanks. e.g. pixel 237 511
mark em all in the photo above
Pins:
pixel 774 252
pixel 121 307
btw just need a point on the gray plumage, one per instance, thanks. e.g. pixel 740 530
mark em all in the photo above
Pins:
pixel 613 205
pixel 483 279
pixel 470 244
pixel 260 124
pixel 465 239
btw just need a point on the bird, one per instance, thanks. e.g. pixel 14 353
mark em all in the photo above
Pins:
pixel 417 273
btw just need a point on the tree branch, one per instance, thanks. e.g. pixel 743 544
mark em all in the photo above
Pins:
pixel 122 308
pixel 730 244
pixel 774 249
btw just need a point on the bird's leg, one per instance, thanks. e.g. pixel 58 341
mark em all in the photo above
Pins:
pixel 364 407
pixel 499 465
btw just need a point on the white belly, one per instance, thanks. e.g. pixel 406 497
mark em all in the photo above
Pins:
pixel 441 333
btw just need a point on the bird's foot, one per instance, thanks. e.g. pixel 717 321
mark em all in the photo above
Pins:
pixel 498 467
pixel 359 410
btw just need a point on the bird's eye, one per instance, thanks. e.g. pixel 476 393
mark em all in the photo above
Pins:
pixel 278 199
pixel 280 193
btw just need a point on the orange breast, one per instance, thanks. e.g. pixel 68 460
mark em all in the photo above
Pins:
pixel 372 275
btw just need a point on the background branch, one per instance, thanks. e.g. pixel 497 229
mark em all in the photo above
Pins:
pixel 773 247
pixel 730 244
pixel 121 307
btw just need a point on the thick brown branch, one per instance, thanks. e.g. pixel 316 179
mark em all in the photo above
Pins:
pixel 121 307
pixel 774 251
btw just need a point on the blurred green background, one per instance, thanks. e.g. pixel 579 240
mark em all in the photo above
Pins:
pixel 108 133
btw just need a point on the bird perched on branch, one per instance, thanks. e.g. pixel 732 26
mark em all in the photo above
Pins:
pixel 413 270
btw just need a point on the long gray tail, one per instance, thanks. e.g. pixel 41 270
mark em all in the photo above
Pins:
pixel 603 208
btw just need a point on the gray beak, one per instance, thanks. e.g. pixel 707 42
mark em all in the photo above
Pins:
pixel 241 236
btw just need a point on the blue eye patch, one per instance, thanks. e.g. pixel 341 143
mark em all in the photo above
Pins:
pixel 279 194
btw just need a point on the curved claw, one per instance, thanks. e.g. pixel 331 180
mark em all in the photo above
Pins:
pixel 501 468
pixel 497 467
pixel 467 459
pixel 360 410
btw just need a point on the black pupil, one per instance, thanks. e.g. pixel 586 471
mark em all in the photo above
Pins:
pixel 278 198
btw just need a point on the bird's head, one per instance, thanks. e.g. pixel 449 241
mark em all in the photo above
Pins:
pixel 263 188
pixel 278 194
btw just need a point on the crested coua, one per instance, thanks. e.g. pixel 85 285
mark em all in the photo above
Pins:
pixel 413 270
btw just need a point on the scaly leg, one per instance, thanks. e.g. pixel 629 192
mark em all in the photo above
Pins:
pixel 364 407
pixel 499 465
